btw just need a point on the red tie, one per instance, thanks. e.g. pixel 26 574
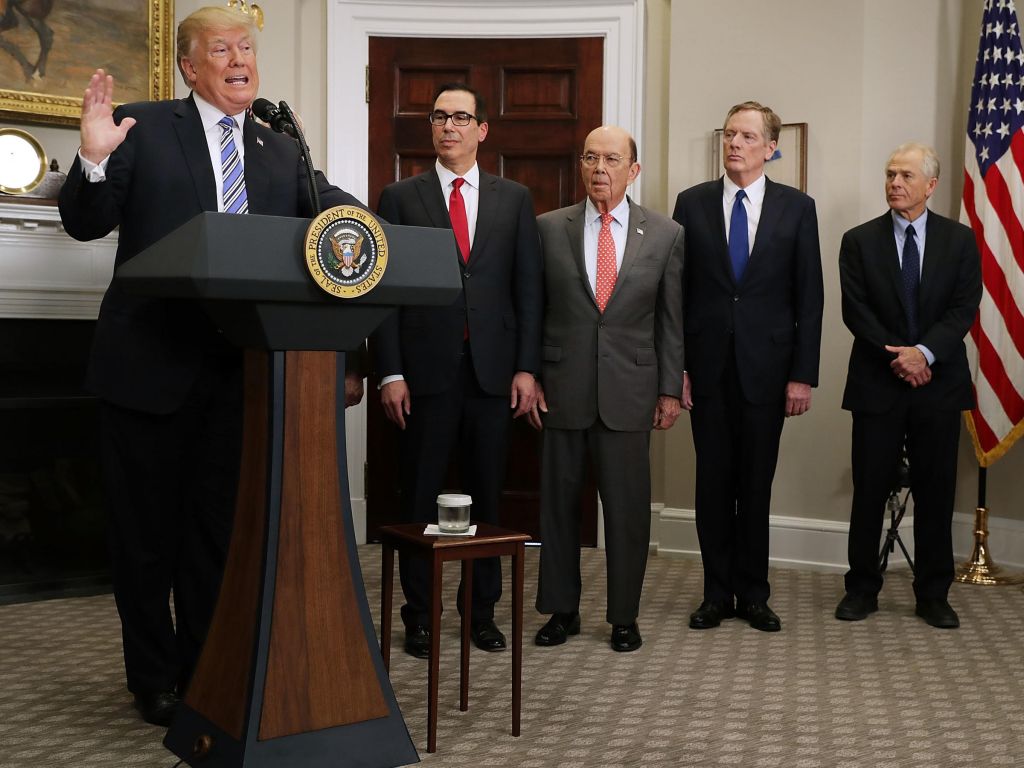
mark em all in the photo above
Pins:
pixel 460 224
pixel 606 269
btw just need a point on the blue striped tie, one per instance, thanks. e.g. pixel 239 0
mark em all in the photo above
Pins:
pixel 232 171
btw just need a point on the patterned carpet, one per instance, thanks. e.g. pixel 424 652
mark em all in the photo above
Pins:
pixel 889 691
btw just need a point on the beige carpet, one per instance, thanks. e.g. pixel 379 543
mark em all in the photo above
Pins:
pixel 889 691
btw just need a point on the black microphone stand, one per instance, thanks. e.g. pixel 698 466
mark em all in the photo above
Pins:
pixel 897 508
pixel 314 194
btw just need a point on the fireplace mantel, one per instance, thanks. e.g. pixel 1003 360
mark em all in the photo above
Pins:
pixel 44 273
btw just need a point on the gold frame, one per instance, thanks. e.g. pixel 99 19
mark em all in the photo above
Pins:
pixel 792 172
pixel 32 107
pixel 40 154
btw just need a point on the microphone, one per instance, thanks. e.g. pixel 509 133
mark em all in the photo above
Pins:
pixel 283 120
pixel 274 116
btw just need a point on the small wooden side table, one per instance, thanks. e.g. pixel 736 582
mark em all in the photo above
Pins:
pixel 489 541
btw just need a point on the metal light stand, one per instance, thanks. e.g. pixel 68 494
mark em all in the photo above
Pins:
pixel 897 508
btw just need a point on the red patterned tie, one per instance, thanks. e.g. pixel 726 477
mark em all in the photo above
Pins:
pixel 460 224
pixel 606 269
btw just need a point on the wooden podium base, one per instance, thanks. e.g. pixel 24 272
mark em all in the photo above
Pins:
pixel 291 673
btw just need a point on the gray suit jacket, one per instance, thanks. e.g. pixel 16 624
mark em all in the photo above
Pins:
pixel 611 366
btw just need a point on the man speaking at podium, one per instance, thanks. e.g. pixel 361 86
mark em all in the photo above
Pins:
pixel 170 386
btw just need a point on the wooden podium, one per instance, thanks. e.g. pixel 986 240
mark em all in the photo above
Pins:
pixel 291 673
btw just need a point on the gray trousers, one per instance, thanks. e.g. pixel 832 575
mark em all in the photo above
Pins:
pixel 622 464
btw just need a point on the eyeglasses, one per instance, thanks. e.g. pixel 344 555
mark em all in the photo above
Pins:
pixel 591 159
pixel 439 117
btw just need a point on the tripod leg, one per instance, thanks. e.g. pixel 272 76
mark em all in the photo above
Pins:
pixel 892 535
pixel 906 554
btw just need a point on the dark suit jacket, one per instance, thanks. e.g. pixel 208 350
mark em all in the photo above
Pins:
pixel 611 365
pixel 773 314
pixel 873 310
pixel 501 291
pixel 147 352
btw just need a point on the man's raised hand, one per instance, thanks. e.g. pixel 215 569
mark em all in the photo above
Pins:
pixel 99 134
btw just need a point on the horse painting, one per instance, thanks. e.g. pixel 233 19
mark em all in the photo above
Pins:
pixel 33 13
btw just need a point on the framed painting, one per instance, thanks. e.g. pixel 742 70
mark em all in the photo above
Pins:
pixel 50 48
pixel 789 164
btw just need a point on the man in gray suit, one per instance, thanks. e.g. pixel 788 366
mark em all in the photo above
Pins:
pixel 612 370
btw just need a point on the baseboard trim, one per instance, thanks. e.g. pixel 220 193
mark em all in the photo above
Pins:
pixel 359 520
pixel 799 542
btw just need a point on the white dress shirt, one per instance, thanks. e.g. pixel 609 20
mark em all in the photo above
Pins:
pixel 752 203
pixel 470 193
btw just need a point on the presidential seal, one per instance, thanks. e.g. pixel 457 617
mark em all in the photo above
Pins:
pixel 346 251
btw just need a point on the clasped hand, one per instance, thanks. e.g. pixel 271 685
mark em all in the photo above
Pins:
pixel 910 365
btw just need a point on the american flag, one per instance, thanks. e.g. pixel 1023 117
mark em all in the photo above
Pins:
pixel 993 206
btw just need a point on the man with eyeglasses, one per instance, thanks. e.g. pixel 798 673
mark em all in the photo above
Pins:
pixel 911 285
pixel 451 375
pixel 753 305
pixel 612 370
pixel 169 385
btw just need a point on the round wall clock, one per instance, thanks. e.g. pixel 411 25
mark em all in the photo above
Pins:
pixel 22 161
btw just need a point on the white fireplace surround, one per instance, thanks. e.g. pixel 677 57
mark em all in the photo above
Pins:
pixel 44 273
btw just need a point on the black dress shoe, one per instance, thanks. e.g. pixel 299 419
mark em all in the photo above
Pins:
pixel 759 616
pixel 938 613
pixel 626 637
pixel 487 637
pixel 854 607
pixel 417 641
pixel 558 628
pixel 157 708
pixel 711 613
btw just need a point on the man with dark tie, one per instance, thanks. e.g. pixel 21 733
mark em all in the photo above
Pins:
pixel 170 386
pixel 451 375
pixel 612 371
pixel 911 283
pixel 753 306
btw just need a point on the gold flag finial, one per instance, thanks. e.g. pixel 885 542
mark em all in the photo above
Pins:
pixel 250 10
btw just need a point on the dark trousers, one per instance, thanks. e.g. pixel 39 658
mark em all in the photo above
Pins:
pixel 623 468
pixel 932 439
pixel 737 446
pixel 169 483
pixel 473 425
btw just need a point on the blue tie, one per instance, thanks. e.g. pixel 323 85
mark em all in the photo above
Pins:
pixel 911 281
pixel 233 176
pixel 739 248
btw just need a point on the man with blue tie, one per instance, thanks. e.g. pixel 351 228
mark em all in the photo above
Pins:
pixel 911 282
pixel 169 385
pixel 753 305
